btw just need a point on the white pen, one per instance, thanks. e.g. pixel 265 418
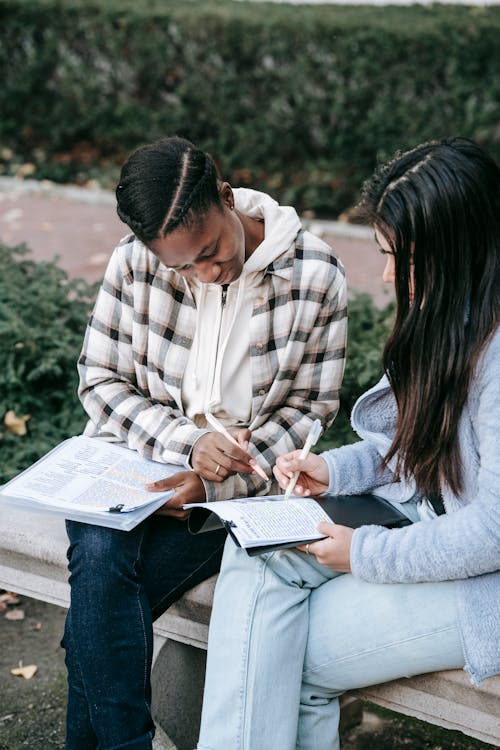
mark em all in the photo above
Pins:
pixel 312 438
pixel 214 422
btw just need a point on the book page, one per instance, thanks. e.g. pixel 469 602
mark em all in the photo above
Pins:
pixel 91 474
pixel 257 521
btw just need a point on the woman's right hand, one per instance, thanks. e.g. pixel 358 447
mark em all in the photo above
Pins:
pixel 313 478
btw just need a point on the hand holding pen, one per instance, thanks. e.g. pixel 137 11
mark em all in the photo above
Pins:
pixel 219 427
pixel 219 454
pixel 302 471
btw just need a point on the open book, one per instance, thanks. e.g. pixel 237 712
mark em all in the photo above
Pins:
pixel 90 480
pixel 263 524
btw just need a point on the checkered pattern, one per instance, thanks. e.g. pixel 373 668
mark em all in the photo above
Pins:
pixel 138 339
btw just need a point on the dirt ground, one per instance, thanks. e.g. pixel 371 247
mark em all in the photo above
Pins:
pixel 32 711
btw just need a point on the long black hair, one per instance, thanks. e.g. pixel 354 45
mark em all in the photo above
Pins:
pixel 165 185
pixel 438 206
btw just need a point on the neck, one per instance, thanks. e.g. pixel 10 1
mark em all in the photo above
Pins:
pixel 254 233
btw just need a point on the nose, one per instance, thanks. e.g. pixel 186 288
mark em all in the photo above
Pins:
pixel 389 274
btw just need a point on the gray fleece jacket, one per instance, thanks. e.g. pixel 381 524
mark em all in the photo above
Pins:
pixel 463 544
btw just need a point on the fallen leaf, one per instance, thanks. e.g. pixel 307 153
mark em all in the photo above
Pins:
pixel 37 626
pixel 25 170
pixel 9 598
pixel 14 614
pixel 26 672
pixel 15 424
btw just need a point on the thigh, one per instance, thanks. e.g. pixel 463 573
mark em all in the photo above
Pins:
pixel 362 633
pixel 173 560
pixel 159 556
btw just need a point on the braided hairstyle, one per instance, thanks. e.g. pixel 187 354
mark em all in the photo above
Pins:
pixel 438 207
pixel 165 185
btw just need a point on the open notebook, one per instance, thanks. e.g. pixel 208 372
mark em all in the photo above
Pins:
pixel 263 524
pixel 90 480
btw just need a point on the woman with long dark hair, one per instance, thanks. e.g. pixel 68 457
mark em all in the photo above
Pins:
pixel 289 633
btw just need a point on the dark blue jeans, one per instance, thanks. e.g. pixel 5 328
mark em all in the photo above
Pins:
pixel 121 581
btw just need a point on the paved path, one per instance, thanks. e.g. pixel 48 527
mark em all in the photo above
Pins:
pixel 81 227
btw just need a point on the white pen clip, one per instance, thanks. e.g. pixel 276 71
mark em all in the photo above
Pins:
pixel 312 438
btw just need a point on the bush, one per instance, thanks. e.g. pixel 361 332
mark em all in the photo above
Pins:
pixel 301 101
pixel 42 321
pixel 368 330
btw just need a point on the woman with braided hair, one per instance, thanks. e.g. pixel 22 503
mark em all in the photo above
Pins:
pixel 218 302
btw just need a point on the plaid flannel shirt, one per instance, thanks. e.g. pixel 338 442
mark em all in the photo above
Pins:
pixel 138 339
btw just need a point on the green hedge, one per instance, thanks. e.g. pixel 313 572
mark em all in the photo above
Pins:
pixel 42 321
pixel 299 100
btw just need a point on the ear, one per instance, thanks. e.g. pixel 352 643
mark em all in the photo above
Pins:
pixel 227 195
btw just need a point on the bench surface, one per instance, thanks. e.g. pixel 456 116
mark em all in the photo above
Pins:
pixel 33 563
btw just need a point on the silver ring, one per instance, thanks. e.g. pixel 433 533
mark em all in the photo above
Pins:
pixel 307 549
pixel 217 469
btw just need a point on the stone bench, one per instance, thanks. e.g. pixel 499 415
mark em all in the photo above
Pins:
pixel 33 563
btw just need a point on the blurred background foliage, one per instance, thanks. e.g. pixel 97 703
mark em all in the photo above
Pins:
pixel 43 316
pixel 42 321
pixel 301 101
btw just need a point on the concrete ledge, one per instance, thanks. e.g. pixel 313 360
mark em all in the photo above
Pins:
pixel 444 698
pixel 33 563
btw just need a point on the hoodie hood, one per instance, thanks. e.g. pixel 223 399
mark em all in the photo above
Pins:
pixel 219 378
pixel 374 418
pixel 281 226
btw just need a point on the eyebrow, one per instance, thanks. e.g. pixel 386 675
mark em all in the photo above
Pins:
pixel 200 254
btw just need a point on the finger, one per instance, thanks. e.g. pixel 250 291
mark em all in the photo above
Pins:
pixel 218 472
pixel 218 469
pixel 282 479
pixel 288 461
pixel 180 515
pixel 161 485
pixel 327 528
pixel 235 451
pixel 315 548
pixel 242 437
pixel 240 467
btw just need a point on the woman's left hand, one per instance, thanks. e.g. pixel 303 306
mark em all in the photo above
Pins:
pixel 334 552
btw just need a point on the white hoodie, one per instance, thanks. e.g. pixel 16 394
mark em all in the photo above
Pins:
pixel 217 377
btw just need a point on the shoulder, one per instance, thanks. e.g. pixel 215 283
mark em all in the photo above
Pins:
pixel 484 394
pixel 488 366
pixel 318 262
pixel 133 259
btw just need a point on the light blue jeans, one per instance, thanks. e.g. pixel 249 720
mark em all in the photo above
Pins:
pixel 288 636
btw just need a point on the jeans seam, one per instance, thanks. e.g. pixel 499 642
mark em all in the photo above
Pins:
pixel 191 574
pixel 141 612
pixel 320 667
pixel 244 665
